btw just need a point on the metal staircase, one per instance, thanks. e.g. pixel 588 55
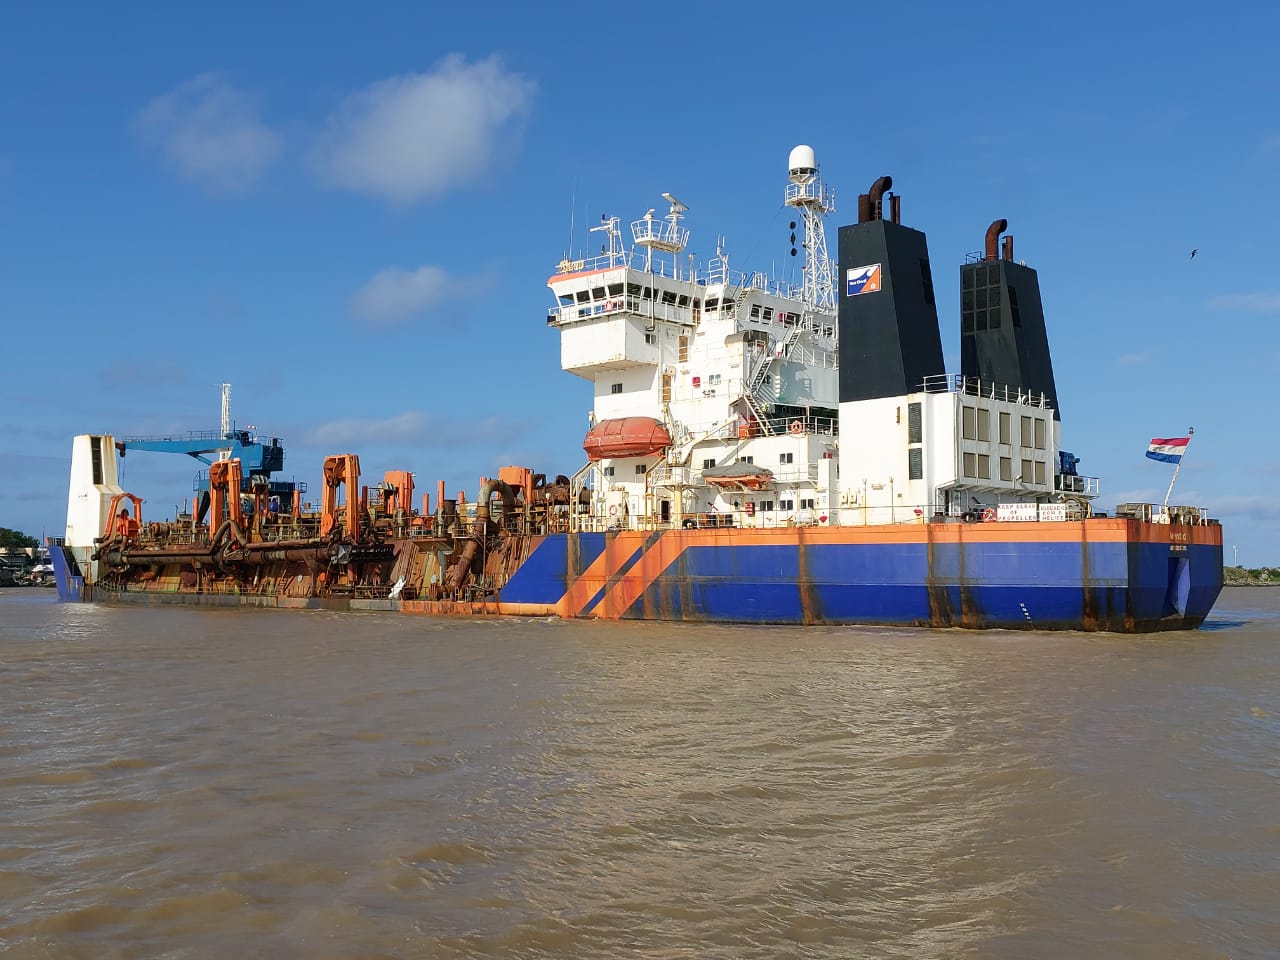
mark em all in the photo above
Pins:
pixel 756 379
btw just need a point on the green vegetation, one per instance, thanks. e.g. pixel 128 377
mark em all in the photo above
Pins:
pixel 15 540
pixel 1262 576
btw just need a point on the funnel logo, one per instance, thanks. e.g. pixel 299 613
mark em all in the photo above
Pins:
pixel 863 280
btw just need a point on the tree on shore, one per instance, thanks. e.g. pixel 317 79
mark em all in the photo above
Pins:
pixel 15 540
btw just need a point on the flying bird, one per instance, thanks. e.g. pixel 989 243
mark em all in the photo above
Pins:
pixel 1194 252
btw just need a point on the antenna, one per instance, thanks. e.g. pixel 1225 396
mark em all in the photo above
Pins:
pixel 573 202
pixel 676 205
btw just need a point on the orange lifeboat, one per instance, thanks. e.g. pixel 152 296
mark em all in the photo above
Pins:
pixel 626 437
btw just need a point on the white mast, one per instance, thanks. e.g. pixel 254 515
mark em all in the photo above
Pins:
pixel 665 234
pixel 1191 432
pixel 810 195
pixel 226 415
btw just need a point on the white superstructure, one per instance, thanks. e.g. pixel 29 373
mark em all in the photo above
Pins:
pixel 736 375
pixel 94 487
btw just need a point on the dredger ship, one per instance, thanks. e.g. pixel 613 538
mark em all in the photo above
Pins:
pixel 759 451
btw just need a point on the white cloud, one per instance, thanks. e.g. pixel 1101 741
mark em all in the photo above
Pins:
pixel 1251 506
pixel 1247 302
pixel 419 134
pixel 394 295
pixel 210 134
pixel 411 426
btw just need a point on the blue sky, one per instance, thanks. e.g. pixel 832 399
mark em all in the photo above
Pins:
pixel 350 214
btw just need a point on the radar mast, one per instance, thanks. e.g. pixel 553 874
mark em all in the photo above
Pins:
pixel 810 195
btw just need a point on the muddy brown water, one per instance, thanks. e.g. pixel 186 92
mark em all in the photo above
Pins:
pixel 205 783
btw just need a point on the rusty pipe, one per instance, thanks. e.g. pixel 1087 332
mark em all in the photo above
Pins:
pixel 140 558
pixel 487 491
pixel 876 196
pixel 1006 247
pixel 307 555
pixel 458 575
pixel 993 238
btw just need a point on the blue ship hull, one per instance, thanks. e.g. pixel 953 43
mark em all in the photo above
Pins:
pixel 1114 575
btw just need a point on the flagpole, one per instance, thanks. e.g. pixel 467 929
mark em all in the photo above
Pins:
pixel 1191 432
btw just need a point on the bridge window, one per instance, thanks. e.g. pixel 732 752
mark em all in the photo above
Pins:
pixel 1040 471
pixel 970 465
pixel 1026 472
pixel 1026 432
pixel 615 289
pixel 984 467
pixel 1039 434
pixel 1006 469
pixel 597 293
pixel 984 424
pixel 668 297
pixel 968 429
pixel 1004 428
pixel 582 296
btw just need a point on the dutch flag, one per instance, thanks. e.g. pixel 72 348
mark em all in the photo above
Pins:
pixel 1168 449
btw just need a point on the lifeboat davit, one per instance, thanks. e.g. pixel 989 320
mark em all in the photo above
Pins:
pixel 626 437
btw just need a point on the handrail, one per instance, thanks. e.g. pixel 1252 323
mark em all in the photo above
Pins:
pixel 975 387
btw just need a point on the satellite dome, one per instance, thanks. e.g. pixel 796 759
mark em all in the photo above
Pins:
pixel 802 159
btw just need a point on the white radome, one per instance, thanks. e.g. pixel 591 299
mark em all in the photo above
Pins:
pixel 802 160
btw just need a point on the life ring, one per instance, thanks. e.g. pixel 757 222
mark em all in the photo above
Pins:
pixel 613 510
pixel 796 428
pixel 988 514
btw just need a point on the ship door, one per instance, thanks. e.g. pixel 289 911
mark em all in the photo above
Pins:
pixel 664 511
pixel 1179 591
